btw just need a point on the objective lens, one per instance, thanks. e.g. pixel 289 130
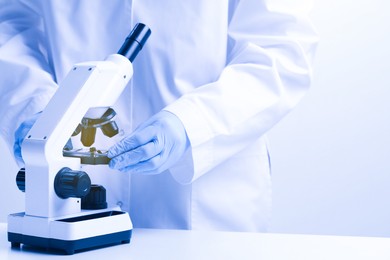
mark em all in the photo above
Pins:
pixel 88 136
pixel 110 129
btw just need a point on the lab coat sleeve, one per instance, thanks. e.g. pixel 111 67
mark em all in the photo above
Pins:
pixel 26 84
pixel 270 49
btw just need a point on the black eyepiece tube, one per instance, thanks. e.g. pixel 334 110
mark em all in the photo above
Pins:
pixel 135 41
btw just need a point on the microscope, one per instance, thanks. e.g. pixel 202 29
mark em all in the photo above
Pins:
pixel 63 209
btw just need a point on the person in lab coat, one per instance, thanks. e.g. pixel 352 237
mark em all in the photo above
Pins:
pixel 210 82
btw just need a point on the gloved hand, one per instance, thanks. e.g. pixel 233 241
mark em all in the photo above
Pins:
pixel 20 134
pixel 153 147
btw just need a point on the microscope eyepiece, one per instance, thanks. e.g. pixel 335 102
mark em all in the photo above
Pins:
pixel 135 41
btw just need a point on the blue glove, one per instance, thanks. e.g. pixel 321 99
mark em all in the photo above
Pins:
pixel 153 147
pixel 20 134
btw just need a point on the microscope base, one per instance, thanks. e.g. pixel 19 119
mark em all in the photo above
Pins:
pixel 69 247
pixel 76 233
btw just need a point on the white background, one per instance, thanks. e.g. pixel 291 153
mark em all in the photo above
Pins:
pixel 331 155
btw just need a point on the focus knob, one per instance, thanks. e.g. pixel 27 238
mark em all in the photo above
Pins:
pixel 96 198
pixel 21 180
pixel 69 183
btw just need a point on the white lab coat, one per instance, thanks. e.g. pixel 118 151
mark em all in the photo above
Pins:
pixel 230 70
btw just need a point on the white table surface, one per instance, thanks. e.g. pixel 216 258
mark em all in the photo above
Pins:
pixel 181 244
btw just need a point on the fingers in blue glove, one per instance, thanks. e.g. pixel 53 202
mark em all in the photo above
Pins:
pixel 137 148
pixel 153 147
pixel 20 134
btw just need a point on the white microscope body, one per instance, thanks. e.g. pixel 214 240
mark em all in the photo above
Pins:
pixel 54 184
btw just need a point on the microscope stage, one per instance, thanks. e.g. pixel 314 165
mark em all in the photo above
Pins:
pixel 91 156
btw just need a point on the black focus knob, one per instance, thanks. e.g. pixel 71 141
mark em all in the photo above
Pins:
pixel 21 180
pixel 96 198
pixel 69 183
